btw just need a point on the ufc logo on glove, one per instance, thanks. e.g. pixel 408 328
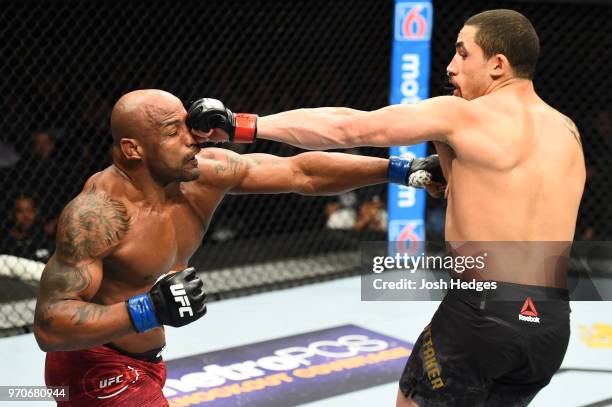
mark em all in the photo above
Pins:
pixel 180 296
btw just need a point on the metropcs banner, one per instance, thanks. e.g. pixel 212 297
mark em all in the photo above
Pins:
pixel 410 68
pixel 287 371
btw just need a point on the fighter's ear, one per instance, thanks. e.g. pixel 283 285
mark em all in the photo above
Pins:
pixel 499 66
pixel 131 149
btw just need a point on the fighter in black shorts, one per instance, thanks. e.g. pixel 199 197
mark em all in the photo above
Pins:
pixel 494 347
pixel 515 173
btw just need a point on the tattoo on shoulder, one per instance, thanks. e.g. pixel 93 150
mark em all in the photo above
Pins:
pixel 92 223
pixel 571 126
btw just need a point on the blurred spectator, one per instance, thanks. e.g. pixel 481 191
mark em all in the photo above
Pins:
pixel 343 214
pixel 41 156
pixel 355 210
pixel 372 216
pixel 44 171
pixel 25 237
pixel 43 146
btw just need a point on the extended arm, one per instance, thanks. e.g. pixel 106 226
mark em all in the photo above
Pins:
pixel 65 317
pixel 312 173
pixel 322 128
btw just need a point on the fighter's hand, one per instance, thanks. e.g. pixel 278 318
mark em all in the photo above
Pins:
pixel 176 299
pixel 212 136
pixel 210 120
pixel 418 173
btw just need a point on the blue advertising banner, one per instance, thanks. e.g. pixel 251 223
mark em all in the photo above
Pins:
pixel 287 371
pixel 410 68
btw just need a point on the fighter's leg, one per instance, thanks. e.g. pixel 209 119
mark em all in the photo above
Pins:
pixel 403 401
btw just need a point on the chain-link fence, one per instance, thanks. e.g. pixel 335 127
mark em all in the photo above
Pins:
pixel 64 63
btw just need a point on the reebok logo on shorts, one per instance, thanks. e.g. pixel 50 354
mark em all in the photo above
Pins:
pixel 529 312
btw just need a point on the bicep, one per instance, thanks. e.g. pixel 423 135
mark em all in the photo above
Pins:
pixel 430 120
pixel 266 174
pixel 62 280
pixel 232 173
pixel 61 285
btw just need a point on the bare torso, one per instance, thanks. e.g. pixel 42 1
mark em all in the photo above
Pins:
pixel 515 173
pixel 159 240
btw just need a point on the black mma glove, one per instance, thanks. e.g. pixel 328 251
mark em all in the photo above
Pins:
pixel 176 299
pixel 206 114
pixel 417 172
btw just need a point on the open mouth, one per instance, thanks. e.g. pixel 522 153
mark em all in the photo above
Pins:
pixel 454 89
pixel 448 86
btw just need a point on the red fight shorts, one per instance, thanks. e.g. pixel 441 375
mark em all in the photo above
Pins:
pixel 102 376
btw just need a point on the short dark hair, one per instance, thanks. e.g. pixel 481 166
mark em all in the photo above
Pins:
pixel 510 33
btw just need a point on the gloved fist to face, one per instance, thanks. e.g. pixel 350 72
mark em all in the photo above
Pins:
pixel 176 299
pixel 418 173
pixel 210 120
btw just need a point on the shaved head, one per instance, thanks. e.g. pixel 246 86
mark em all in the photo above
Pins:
pixel 136 113
pixel 151 137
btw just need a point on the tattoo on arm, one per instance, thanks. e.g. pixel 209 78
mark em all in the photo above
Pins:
pixel 89 312
pixel 60 282
pixel 219 168
pixel 234 164
pixel 90 225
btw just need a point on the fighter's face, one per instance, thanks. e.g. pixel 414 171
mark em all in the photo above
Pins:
pixel 468 70
pixel 172 149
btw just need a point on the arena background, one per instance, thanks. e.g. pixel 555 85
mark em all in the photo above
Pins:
pixel 64 63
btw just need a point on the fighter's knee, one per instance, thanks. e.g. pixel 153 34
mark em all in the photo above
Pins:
pixel 403 401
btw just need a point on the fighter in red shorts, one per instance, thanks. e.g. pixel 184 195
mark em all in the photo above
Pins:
pixel 105 296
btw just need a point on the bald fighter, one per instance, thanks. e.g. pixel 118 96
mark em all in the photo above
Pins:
pixel 123 244
pixel 515 171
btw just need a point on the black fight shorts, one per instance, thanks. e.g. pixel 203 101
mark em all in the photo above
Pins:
pixel 489 348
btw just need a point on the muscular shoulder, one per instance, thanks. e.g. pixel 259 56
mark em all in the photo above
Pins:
pixel 91 225
pixel 447 107
pixel 455 107
pixel 571 128
pixel 455 113
pixel 554 119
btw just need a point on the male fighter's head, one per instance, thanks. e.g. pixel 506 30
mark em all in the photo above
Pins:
pixel 149 132
pixel 492 47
